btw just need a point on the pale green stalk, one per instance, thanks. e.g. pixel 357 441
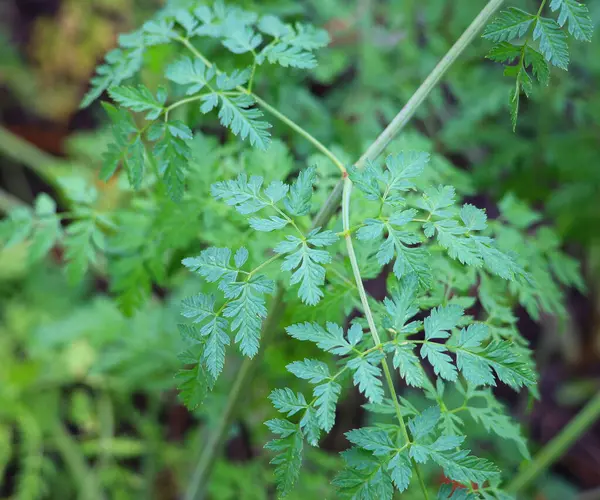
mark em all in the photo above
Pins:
pixel 370 320
pixel 558 445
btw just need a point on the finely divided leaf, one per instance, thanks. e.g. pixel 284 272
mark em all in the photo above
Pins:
pixel 288 401
pixel 331 340
pixel 139 99
pixel 553 42
pixel 289 449
pixel 367 376
pixel 578 16
pixel 509 24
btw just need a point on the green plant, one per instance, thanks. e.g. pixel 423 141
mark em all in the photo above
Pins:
pixel 441 248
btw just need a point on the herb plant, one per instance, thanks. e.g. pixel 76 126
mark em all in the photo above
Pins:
pixel 454 277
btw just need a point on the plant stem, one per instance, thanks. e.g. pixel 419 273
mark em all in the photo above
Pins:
pixel 330 206
pixel 297 128
pixel 274 111
pixel 27 154
pixel 409 109
pixel 558 445
pixel 370 320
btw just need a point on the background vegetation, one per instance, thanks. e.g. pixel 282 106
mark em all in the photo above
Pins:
pixel 88 405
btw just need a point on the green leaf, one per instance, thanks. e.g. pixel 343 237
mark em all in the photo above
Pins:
pixel 364 477
pixel 198 307
pixel 242 193
pixel 304 36
pixel 493 419
pixel 291 47
pixel 372 439
pixel 310 426
pixel 173 153
pixel 441 362
pixel 287 401
pixel 331 340
pixel 441 320
pixel 401 168
pixel 387 185
pixel 242 40
pixel 191 73
pixel 372 229
pixel 297 202
pixel 138 99
pixel 217 339
pixel 82 239
pixel 473 218
pixel 553 42
pixel 242 119
pixel 310 369
pixel 283 428
pixel 367 376
pixel 17 227
pixel 400 470
pixel 159 32
pixel 409 260
pixel 287 56
pixel 541 70
pixel 327 396
pixel 119 65
pixel 48 229
pixel 213 264
pixel 192 385
pixel 289 456
pixel 476 363
pixel 517 212
pixel 306 264
pixel 406 361
pixel 248 309
pixel 504 52
pixel 273 223
pixel 424 424
pixel 438 201
pixel 509 24
pixel 577 14
pixel 462 467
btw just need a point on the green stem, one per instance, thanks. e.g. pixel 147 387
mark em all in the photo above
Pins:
pixel 297 128
pixel 264 264
pixel 410 108
pixel 27 154
pixel 402 118
pixel 275 112
pixel 558 445
pixel 370 320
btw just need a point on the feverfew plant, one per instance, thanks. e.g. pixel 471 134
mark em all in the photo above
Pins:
pixel 441 254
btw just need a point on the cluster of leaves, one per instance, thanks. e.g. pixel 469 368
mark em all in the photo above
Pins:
pixel 244 306
pixel 41 229
pixel 514 25
pixel 437 249
pixel 240 32
pixel 383 456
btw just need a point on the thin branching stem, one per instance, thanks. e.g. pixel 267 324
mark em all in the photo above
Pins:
pixel 371 322
pixel 275 112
